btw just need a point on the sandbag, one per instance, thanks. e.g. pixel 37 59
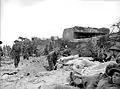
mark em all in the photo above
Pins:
pixel 65 59
pixel 80 64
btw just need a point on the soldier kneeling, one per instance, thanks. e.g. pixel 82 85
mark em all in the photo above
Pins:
pixel 52 59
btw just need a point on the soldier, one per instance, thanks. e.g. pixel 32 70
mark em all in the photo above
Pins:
pixel 114 79
pixel 50 46
pixel 1 52
pixel 25 52
pixel 46 50
pixel 15 52
pixel 105 79
pixel 66 52
pixel 115 50
pixel 52 59
pixel 92 82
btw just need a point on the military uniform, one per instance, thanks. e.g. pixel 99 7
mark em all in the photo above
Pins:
pixel 46 50
pixel 106 85
pixel 52 58
pixel 116 48
pixel 107 82
pixel 96 81
pixel 66 52
pixel 16 51
pixel 50 47
pixel 1 52
pixel 25 52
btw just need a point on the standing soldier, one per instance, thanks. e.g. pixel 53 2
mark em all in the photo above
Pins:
pixel 25 53
pixel 16 51
pixel 1 52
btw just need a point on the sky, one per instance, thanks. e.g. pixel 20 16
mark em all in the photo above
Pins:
pixel 46 18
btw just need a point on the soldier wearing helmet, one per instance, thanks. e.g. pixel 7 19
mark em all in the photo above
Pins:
pixel 52 59
pixel 114 81
pixel 115 50
pixel 15 52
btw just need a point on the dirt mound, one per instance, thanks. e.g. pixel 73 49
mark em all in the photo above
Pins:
pixel 31 74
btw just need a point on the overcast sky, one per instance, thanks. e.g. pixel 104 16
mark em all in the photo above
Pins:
pixel 46 18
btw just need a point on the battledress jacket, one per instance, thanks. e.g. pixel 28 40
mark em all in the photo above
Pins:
pixel 102 83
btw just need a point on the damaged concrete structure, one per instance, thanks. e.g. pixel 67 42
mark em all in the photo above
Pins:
pixel 78 33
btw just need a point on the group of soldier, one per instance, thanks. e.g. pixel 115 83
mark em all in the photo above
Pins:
pixel 52 55
pixel 16 52
pixel 108 80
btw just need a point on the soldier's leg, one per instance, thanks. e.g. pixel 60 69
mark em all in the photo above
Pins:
pixel 54 61
pixel 18 60
pixel 15 62
pixel 0 60
pixel 51 65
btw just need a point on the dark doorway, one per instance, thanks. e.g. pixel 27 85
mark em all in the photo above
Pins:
pixel 79 35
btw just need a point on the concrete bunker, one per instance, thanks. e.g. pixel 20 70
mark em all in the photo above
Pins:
pixel 77 32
